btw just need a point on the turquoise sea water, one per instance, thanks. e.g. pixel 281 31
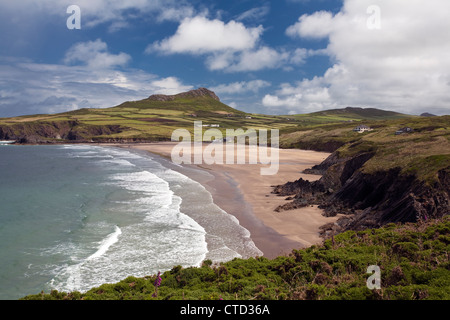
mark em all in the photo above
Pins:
pixel 75 216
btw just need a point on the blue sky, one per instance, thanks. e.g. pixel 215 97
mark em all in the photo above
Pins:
pixel 273 57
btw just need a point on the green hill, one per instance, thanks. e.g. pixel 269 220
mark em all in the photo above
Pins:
pixel 360 113
pixel 418 151
pixel 349 114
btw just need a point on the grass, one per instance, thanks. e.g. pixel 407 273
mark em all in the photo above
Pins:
pixel 413 258
pixel 422 152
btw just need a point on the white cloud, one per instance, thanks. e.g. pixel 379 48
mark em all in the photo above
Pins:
pixel 233 105
pixel 300 55
pixel 170 85
pixel 30 88
pixel 94 54
pixel 261 58
pixel 231 47
pixel 241 87
pixel 307 96
pixel 317 25
pixel 404 65
pixel 199 35
pixel 176 13
pixel 254 13
pixel 95 12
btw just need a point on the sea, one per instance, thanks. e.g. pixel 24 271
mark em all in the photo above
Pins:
pixel 73 217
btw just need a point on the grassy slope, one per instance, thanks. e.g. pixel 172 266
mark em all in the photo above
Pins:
pixel 422 152
pixel 413 258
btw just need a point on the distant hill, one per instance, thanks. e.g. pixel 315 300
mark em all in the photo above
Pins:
pixel 349 114
pixel 361 113
pixel 426 114
pixel 199 102
pixel 198 93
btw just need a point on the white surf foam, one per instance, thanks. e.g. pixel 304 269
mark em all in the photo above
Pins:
pixel 106 243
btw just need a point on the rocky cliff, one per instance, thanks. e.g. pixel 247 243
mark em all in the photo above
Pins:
pixel 54 131
pixel 367 200
pixel 200 92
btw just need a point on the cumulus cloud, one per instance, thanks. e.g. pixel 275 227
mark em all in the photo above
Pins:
pixel 95 54
pixel 231 46
pixel 27 87
pixel 309 95
pixel 241 87
pixel 403 64
pixel 169 85
pixel 114 12
pixel 317 25
pixel 200 35
pixel 261 58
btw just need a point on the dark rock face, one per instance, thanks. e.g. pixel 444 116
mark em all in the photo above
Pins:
pixel 47 132
pixel 367 200
pixel 200 92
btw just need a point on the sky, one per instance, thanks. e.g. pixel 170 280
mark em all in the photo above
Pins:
pixel 270 57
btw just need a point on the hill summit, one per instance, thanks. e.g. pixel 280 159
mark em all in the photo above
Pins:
pixel 360 113
pixel 200 92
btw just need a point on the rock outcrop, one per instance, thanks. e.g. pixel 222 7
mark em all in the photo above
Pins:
pixel 367 200
pixel 55 131
pixel 200 92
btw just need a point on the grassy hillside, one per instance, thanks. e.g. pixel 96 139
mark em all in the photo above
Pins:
pixel 413 259
pixel 423 151
pixel 348 114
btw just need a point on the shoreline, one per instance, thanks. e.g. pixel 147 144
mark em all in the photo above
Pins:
pixel 241 191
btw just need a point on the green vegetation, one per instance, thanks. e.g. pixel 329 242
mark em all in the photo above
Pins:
pixel 423 151
pixel 348 114
pixel 414 261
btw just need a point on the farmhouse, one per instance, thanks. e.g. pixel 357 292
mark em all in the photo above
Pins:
pixel 362 128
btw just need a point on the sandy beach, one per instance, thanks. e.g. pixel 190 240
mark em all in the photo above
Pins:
pixel 242 191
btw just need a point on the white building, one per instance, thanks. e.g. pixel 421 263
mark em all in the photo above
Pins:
pixel 362 128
